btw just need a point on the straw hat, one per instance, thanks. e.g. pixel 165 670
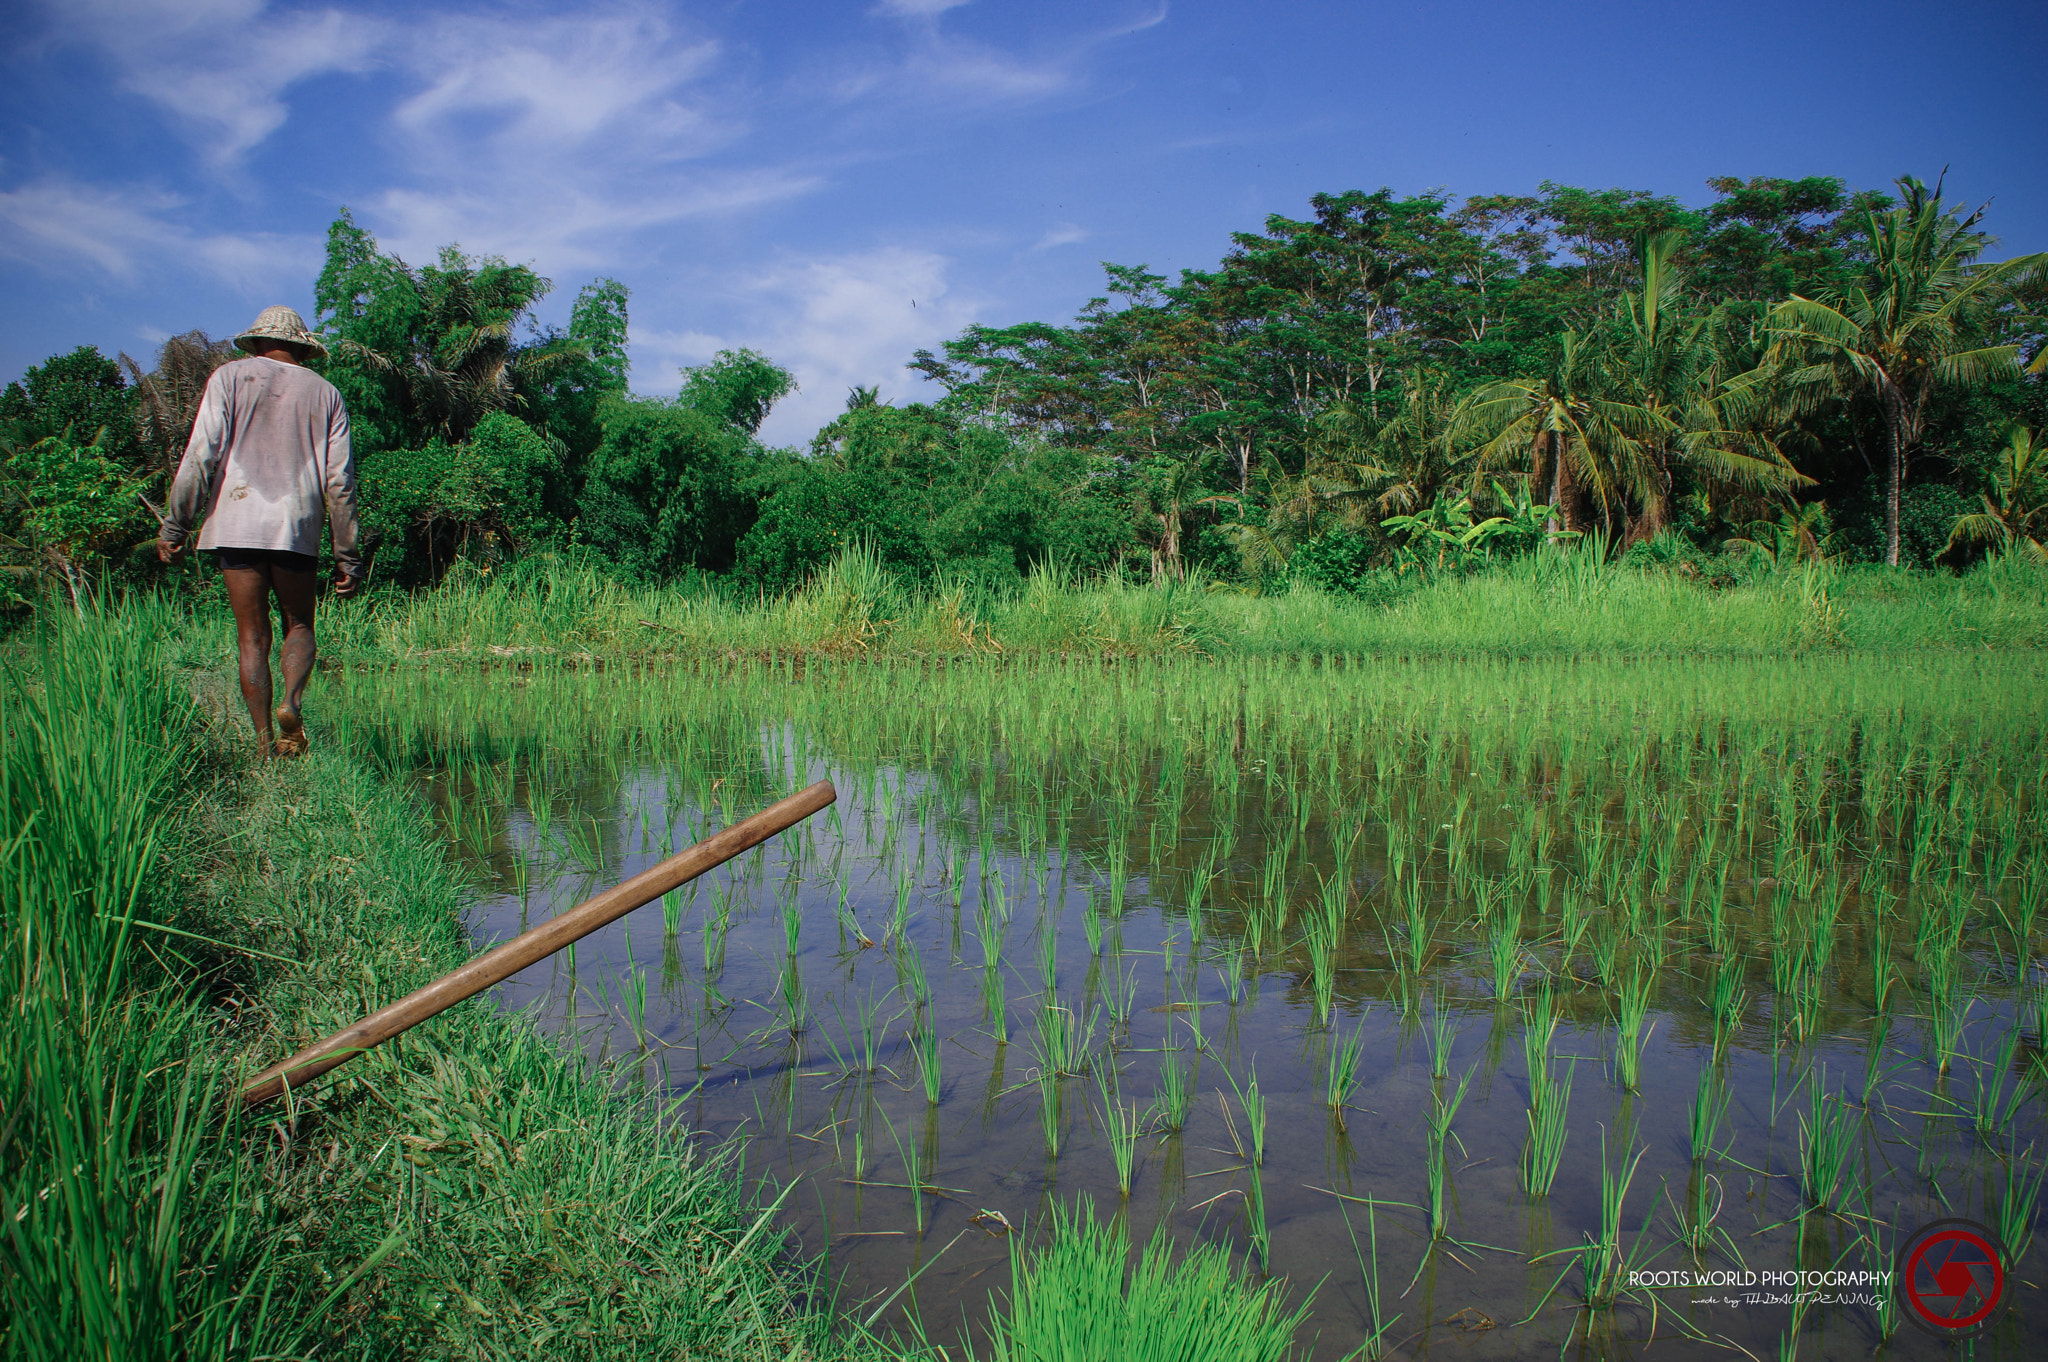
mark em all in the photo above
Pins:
pixel 280 324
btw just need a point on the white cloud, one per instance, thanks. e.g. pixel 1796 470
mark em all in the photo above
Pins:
pixel 916 9
pixel 560 83
pixel 554 140
pixel 1059 234
pixel 221 67
pixel 836 322
pixel 66 224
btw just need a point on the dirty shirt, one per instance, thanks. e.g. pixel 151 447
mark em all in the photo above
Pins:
pixel 267 464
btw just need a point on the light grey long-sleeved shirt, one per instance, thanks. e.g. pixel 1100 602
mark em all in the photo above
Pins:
pixel 268 462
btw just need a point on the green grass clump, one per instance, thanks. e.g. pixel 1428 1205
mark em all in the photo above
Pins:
pixel 1081 1297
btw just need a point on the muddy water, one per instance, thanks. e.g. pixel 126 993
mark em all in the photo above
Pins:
pixel 703 1002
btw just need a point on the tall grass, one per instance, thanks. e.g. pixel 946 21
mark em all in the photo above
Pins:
pixel 130 1230
pixel 1550 604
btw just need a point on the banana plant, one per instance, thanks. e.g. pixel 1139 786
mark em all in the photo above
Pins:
pixel 1457 540
pixel 2015 515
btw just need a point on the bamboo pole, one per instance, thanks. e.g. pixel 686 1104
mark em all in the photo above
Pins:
pixel 502 962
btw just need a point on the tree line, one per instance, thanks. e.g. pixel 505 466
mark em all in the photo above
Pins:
pixel 1389 384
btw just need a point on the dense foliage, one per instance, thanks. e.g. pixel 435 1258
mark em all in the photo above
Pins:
pixel 1389 385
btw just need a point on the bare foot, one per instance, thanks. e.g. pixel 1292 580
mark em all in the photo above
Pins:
pixel 291 733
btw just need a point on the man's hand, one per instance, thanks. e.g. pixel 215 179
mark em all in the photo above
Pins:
pixel 346 584
pixel 168 552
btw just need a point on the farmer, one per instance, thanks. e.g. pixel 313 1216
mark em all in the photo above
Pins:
pixel 269 454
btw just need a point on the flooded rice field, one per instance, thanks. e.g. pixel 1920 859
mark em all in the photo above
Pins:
pixel 1500 1009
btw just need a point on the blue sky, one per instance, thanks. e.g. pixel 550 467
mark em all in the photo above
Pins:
pixel 839 184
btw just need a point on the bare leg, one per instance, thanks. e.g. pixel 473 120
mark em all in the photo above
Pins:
pixel 295 594
pixel 249 595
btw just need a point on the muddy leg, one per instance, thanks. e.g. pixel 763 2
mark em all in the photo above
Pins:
pixel 249 595
pixel 295 594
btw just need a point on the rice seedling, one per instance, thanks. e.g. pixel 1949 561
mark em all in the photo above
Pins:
pixel 868 1026
pixel 1603 1266
pixel 1995 1095
pixel 1123 1125
pixel 910 974
pixel 1253 1104
pixel 1170 1105
pixel 1340 1079
pixel 1539 1027
pixel 1441 1114
pixel 2019 1194
pixel 1730 1000
pixel 924 1041
pixel 904 882
pixel 1827 1140
pixel 1629 1038
pixel 1065 1040
pixel 1441 1039
pixel 1256 1227
pixel 1373 1348
pixel 1706 1116
pixel 911 1153
pixel 1543 1150
pixel 1322 965
pixel 1947 1016
pixel 1504 950
pixel 716 926
pixel 1881 966
pixel 1051 1123
pixel 1705 1196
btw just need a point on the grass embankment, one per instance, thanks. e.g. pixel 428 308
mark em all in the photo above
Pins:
pixel 1545 605
pixel 175 917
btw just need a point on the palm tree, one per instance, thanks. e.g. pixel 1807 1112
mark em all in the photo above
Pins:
pixel 2015 514
pixel 1678 369
pixel 170 395
pixel 1908 327
pixel 1593 436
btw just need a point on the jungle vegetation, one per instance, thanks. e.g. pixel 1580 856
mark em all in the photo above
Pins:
pixel 1386 386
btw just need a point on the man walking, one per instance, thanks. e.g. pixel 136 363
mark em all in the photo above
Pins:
pixel 268 461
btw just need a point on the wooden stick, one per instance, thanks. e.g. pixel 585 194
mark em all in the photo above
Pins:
pixel 502 962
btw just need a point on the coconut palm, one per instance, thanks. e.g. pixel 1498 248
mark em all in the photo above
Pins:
pixel 1678 368
pixel 2015 515
pixel 1909 326
pixel 1596 438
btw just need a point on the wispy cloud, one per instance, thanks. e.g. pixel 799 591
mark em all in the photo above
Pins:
pixel 916 9
pixel 220 67
pixel 931 63
pixel 1059 234
pixel 58 223
pixel 556 139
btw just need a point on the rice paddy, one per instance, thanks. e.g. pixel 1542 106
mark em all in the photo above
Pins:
pixel 1448 998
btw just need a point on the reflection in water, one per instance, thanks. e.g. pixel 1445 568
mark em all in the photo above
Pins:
pixel 1458 1036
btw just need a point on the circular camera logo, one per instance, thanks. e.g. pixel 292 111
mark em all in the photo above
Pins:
pixel 1951 1277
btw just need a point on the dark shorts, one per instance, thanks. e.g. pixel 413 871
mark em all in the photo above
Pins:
pixel 265 558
